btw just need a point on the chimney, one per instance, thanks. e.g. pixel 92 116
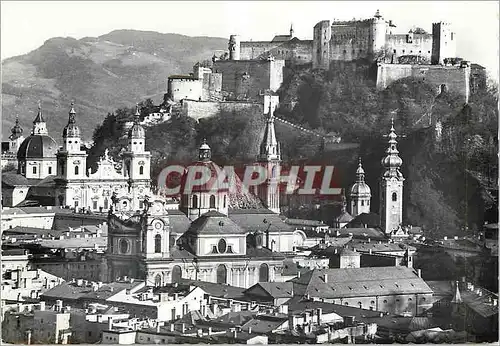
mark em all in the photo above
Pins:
pixel 419 273
pixel 172 327
pixel 319 311
pixel 249 330
pixel 158 327
pixel 183 328
pixel 298 274
pixel 369 239
pixel 326 278
pixel 235 333
pixel 209 330
pixel 370 251
pixel 110 323
pixel 42 306
pixel 59 305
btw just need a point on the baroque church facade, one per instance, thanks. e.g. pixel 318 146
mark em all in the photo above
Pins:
pixel 211 239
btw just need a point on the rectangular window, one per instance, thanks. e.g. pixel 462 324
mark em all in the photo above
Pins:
pixel 34 169
pixel 94 204
pixel 50 170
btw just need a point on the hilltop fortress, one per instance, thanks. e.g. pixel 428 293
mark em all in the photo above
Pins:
pixel 251 71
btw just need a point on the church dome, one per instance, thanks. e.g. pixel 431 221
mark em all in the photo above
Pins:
pixel 71 129
pixel 137 131
pixel 360 189
pixel 37 146
pixel 16 130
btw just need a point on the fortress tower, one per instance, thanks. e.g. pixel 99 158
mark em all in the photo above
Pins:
pixel 378 32
pixel 321 44
pixel 391 187
pixel 443 42
pixel 234 47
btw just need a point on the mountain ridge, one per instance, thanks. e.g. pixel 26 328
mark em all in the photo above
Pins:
pixel 100 74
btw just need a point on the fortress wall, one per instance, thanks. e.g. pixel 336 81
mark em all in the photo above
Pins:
pixel 421 45
pixel 455 79
pixel 252 50
pixel 212 85
pixel 350 41
pixel 250 77
pixel 200 109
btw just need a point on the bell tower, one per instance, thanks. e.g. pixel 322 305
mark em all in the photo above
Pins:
pixel 270 158
pixel 71 165
pixel 137 163
pixel 360 193
pixel 391 186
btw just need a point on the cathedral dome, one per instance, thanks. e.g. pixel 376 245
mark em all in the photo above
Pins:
pixel 37 146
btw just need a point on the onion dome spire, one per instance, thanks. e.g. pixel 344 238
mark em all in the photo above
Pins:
pixel 205 153
pixel 392 162
pixel 137 131
pixel 39 116
pixel 360 172
pixel 71 130
pixel 16 130
pixel 39 125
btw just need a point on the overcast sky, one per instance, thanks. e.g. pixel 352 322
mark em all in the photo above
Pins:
pixel 26 25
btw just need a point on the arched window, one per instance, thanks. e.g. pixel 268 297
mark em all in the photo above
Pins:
pixel 176 274
pixel 157 243
pixel 394 196
pixel 224 204
pixel 264 273
pixel 442 88
pixel 273 172
pixel 77 170
pixel 106 203
pixel 212 202
pixel 195 201
pixel 157 280
pixel 221 274
pixel 362 203
pixel 124 246
pixel 141 170
pixel 360 305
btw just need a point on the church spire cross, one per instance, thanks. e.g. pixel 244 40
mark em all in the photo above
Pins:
pixel 137 114
pixel 39 116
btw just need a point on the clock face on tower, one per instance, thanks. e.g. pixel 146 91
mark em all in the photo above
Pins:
pixel 157 224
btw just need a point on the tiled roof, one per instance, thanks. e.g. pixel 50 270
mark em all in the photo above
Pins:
pixel 263 253
pixel 275 289
pixel 214 222
pixel 354 282
pixel 28 210
pixel 179 222
pixel 12 179
pixel 218 290
pixel 263 325
pixel 253 220
pixel 76 242
pixel 360 233
pixel 110 289
pixel 344 217
pixel 382 247
pixel 298 303
pixel 235 318
pixel 370 219
pixel 282 38
pixel 303 222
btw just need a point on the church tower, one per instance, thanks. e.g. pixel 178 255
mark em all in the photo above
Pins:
pixel 137 163
pixel 270 158
pixel 360 193
pixel 391 186
pixel 16 137
pixel 71 163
